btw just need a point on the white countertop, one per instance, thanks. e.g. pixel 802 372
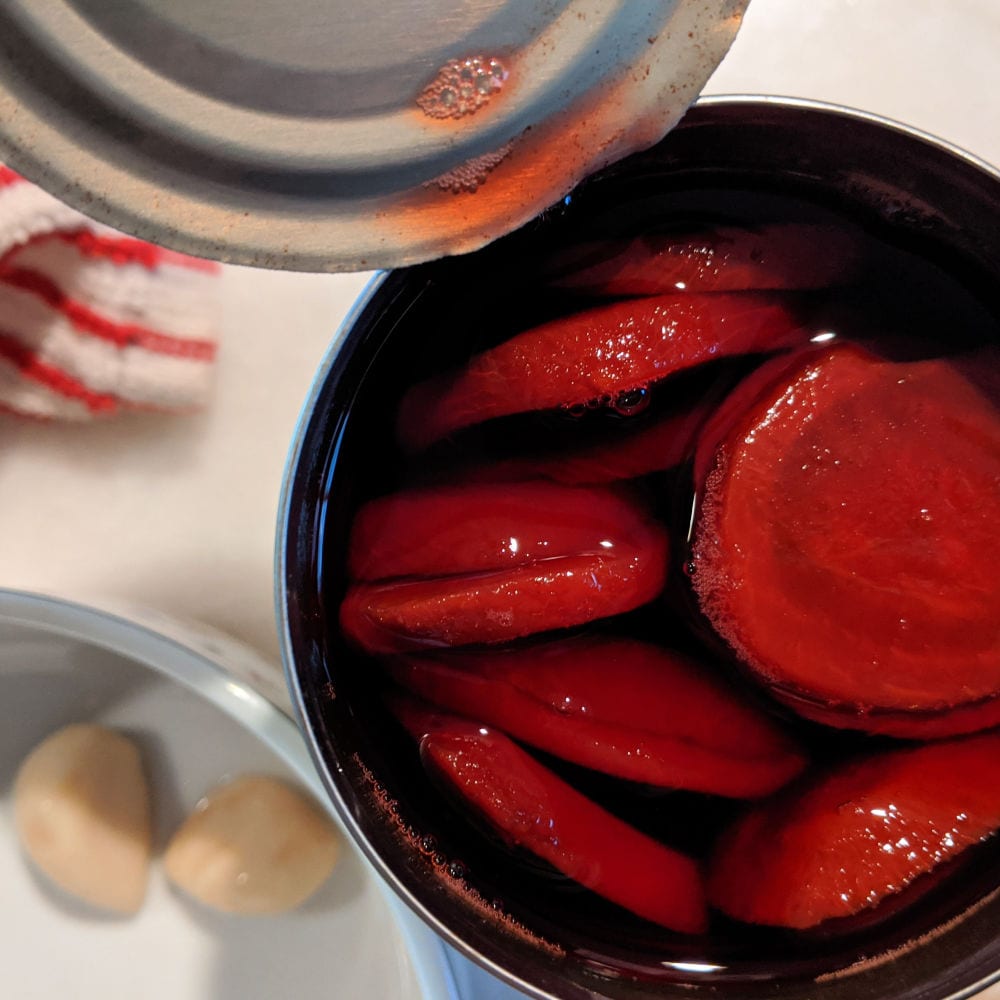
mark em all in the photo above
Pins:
pixel 178 513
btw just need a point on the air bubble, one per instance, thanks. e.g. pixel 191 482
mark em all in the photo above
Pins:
pixel 428 844
pixel 462 87
pixel 457 870
pixel 631 402
pixel 467 177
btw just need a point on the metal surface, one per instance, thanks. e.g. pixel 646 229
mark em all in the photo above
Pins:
pixel 311 134
pixel 925 189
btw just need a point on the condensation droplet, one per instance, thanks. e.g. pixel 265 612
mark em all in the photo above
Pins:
pixel 462 87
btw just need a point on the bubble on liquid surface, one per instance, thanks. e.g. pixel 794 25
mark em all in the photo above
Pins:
pixel 462 87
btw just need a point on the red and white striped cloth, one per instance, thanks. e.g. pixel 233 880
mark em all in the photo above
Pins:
pixel 93 322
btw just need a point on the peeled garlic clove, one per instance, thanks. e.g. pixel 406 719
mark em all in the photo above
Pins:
pixel 81 809
pixel 253 846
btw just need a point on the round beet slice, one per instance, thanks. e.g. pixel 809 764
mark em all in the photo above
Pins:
pixel 533 808
pixel 620 706
pixel 846 545
pixel 595 355
pixel 483 563
pixel 786 255
pixel 661 444
pixel 858 834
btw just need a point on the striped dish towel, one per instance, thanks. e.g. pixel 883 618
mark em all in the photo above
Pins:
pixel 94 323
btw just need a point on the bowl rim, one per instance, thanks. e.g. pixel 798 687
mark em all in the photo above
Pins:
pixel 285 512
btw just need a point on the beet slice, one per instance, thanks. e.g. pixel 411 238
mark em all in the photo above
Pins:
pixel 484 563
pixel 846 544
pixel 620 706
pixel 858 834
pixel 790 255
pixel 660 444
pixel 595 355
pixel 533 808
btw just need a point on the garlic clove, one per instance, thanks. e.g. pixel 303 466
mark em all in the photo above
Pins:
pixel 253 846
pixel 82 812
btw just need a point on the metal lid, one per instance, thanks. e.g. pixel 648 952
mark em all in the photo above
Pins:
pixel 336 135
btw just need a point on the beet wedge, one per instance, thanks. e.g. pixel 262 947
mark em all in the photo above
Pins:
pixel 858 834
pixel 790 255
pixel 532 808
pixel 846 544
pixel 595 355
pixel 484 563
pixel 620 706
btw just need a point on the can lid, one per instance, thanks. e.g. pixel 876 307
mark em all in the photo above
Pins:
pixel 337 135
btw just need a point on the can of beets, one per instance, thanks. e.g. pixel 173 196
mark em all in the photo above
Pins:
pixel 635 572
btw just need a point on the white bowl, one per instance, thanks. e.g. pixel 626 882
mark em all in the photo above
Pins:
pixel 196 724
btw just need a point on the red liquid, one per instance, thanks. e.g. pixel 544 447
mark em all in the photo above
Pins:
pixel 909 302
